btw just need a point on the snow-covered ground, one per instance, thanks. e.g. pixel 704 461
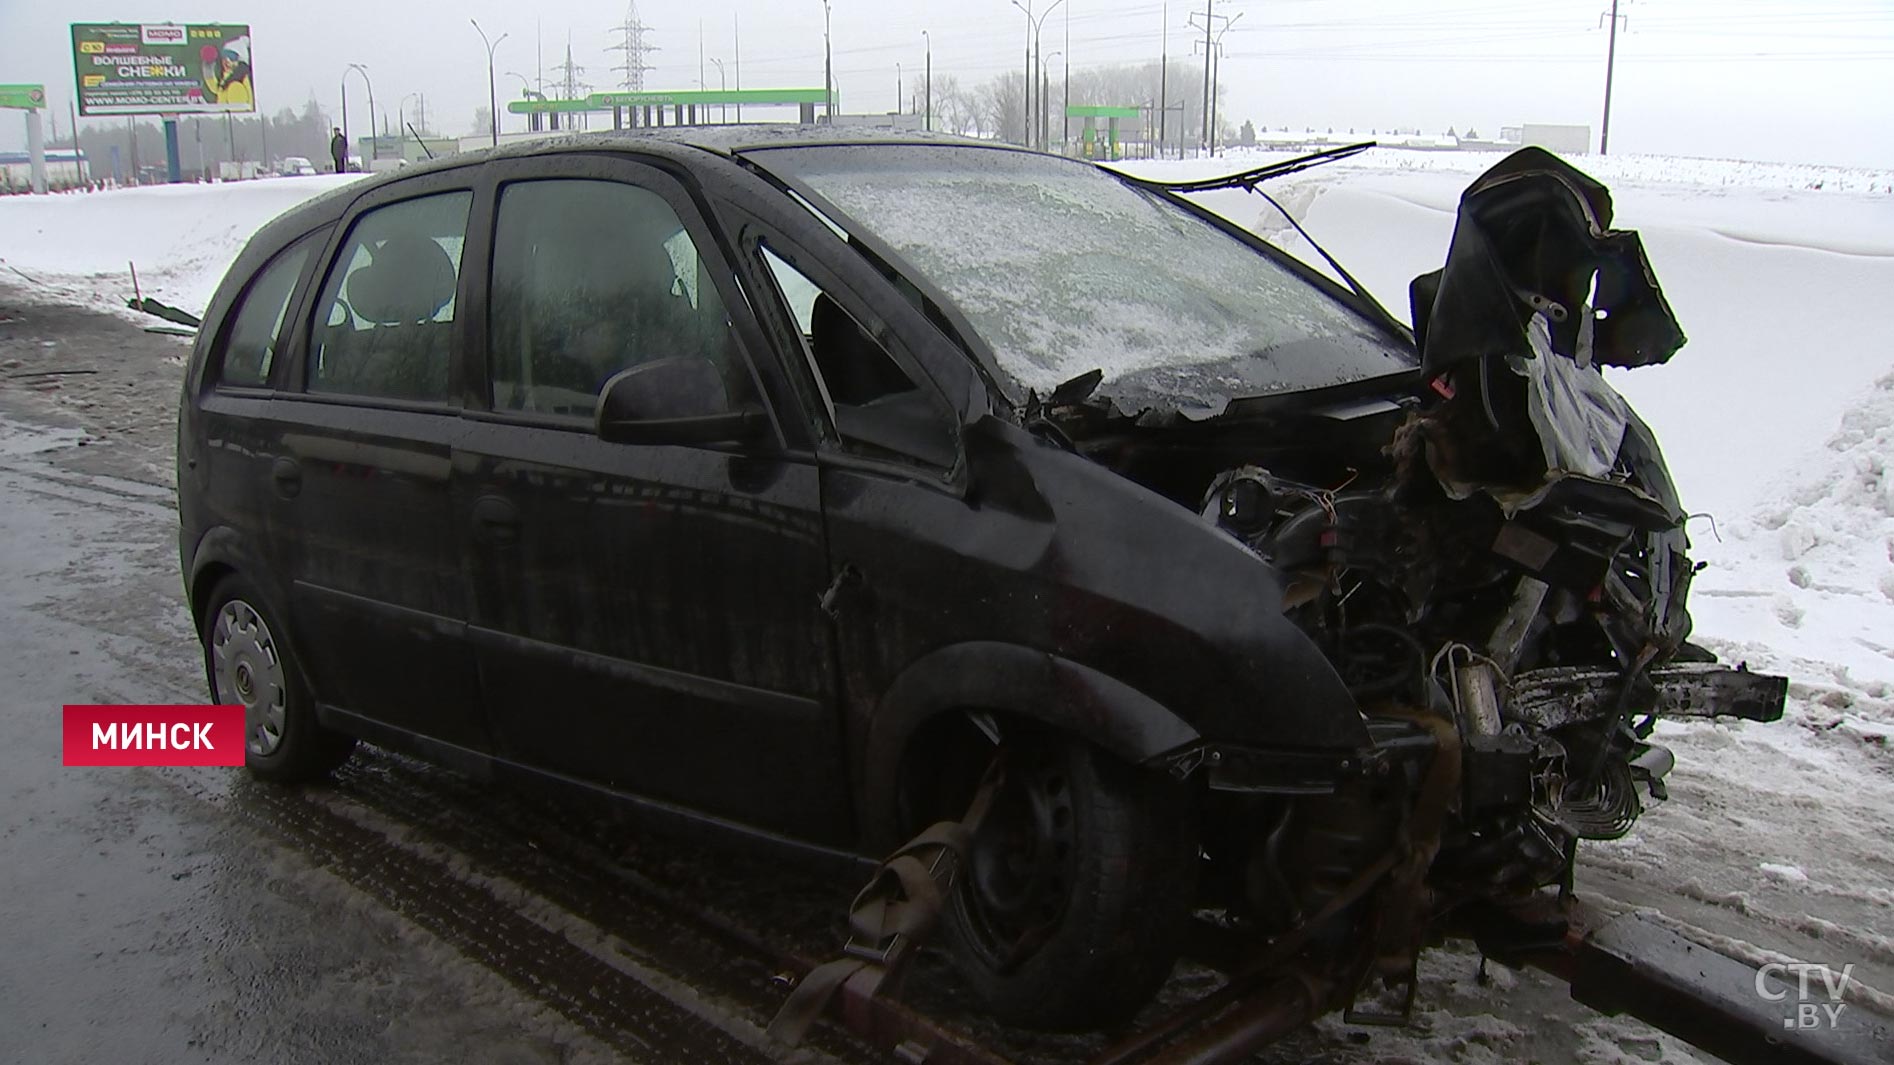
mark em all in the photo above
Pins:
pixel 82 246
pixel 1777 418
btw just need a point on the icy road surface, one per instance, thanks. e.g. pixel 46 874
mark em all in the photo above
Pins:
pixel 405 914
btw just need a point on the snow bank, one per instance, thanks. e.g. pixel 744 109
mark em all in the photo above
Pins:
pixel 1809 574
pixel 181 237
pixel 1613 170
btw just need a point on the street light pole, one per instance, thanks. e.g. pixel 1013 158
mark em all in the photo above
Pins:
pixel 1163 78
pixel 723 110
pixel 928 102
pixel 345 122
pixel 401 121
pixel 1034 26
pixel 533 120
pixel 1025 128
pixel 1039 37
pixel 1045 92
pixel 374 151
pixel 493 102
pixel 828 66
pixel 897 86
pixel 1209 19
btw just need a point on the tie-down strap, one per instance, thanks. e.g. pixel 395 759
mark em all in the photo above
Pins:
pixel 898 908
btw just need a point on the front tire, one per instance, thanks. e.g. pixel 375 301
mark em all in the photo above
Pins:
pixel 249 664
pixel 1076 888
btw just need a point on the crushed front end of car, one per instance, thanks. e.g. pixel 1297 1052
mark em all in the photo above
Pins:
pixel 1400 609
pixel 1494 559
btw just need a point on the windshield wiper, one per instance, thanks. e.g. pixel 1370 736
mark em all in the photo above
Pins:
pixel 1249 179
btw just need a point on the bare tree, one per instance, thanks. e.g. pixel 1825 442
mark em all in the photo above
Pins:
pixel 1000 104
pixel 956 110
pixel 996 108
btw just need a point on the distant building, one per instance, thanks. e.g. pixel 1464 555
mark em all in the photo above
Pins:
pixel 64 169
pixel 891 120
pixel 1566 140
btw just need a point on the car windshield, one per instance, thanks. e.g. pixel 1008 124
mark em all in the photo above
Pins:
pixel 1063 268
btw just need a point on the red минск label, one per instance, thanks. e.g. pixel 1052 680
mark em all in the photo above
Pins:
pixel 154 735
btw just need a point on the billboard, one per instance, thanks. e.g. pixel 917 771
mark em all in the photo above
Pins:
pixel 165 68
pixel 25 97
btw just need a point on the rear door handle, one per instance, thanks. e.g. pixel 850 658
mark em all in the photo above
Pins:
pixel 496 520
pixel 288 475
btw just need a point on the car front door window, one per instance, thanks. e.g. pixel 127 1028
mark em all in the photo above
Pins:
pixel 879 409
pixel 591 278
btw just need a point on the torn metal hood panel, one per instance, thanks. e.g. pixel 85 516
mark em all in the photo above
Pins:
pixel 1533 236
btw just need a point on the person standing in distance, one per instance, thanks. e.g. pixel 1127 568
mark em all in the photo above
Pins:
pixel 339 151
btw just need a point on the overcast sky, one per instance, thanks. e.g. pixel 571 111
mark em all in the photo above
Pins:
pixel 1762 79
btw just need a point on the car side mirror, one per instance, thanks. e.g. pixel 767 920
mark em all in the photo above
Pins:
pixel 674 401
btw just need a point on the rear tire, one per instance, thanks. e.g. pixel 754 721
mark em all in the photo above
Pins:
pixel 1072 899
pixel 248 663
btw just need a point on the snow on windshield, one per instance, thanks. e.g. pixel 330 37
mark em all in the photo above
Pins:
pixel 1064 269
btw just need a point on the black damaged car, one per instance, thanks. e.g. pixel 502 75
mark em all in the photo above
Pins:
pixel 806 490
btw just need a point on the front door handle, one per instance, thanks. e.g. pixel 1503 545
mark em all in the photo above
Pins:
pixel 287 473
pixel 496 520
pixel 845 578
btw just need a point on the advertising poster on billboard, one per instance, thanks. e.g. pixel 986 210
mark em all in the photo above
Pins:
pixel 163 68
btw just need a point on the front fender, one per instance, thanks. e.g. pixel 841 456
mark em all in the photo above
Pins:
pixel 1131 584
pixel 1012 679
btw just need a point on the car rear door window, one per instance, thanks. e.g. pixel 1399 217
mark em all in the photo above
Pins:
pixel 385 324
pixel 256 325
pixel 591 278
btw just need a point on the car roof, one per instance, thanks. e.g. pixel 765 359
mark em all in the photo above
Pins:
pixel 727 140
pixel 732 139
pixel 679 142
pixel 740 138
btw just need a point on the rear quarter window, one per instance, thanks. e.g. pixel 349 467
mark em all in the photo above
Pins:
pixel 256 326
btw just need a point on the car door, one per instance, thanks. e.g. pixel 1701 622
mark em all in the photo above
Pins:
pixel 647 615
pixel 227 456
pixel 361 457
pixel 911 546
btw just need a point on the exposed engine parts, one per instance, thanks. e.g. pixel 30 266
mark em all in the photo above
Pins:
pixel 1493 561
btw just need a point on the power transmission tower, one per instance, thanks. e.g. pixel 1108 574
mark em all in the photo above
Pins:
pixel 569 80
pixel 569 72
pixel 1163 76
pixel 631 41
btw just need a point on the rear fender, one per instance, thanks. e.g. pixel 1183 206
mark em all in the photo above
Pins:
pixel 223 549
